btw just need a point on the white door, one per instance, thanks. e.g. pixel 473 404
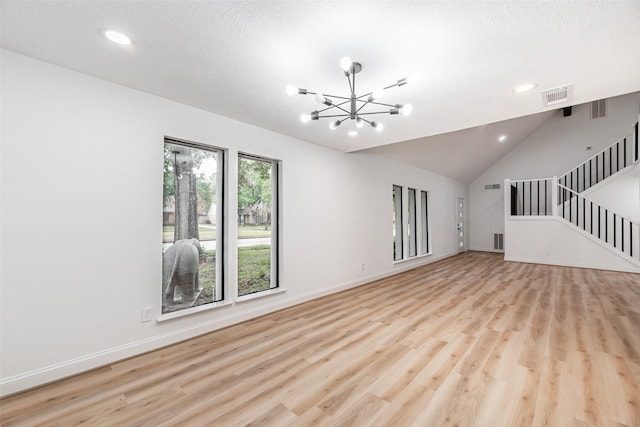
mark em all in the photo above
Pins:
pixel 460 225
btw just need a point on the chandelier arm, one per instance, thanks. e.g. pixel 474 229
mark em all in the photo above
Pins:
pixel 384 88
pixel 351 87
pixel 373 112
pixel 336 96
pixel 353 93
pixel 342 109
pixel 334 115
pixel 365 120
pixel 335 106
pixel 383 104
pixel 376 103
pixel 362 106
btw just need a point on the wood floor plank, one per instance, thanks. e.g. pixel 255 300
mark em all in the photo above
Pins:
pixel 471 340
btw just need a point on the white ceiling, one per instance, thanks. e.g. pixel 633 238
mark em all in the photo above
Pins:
pixel 465 154
pixel 235 58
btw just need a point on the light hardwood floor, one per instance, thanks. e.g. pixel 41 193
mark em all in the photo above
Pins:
pixel 470 340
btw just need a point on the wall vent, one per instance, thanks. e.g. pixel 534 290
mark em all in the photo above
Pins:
pixel 599 109
pixel 498 241
pixel 492 187
pixel 556 95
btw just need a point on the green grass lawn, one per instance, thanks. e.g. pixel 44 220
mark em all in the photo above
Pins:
pixel 253 231
pixel 208 232
pixel 254 269
pixel 254 272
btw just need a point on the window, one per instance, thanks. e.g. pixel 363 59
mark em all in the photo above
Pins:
pixel 412 235
pixel 191 226
pixel 424 217
pixel 397 223
pixel 414 225
pixel 258 214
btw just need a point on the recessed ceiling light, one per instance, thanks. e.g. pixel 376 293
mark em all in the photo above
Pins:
pixel 117 37
pixel 353 133
pixel 502 138
pixel 524 87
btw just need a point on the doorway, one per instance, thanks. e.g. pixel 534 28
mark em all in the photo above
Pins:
pixel 460 225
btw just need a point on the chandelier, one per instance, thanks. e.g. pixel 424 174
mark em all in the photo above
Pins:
pixel 353 106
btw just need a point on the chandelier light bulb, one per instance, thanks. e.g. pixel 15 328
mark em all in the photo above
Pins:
pixel 305 118
pixel 291 90
pixel 377 126
pixel 346 63
pixel 359 122
pixel 321 99
pixel 335 124
pixel 376 94
pixel 406 110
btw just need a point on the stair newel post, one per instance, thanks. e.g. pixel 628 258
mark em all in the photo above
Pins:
pixel 508 209
pixel 554 195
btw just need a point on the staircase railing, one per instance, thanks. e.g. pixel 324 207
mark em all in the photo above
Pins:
pixel 547 197
pixel 602 165
pixel 612 228
pixel 532 197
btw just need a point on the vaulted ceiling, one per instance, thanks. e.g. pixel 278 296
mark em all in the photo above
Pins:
pixel 235 58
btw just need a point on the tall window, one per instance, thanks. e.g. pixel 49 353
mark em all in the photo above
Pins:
pixel 424 219
pixel 191 226
pixel 257 224
pixel 412 234
pixel 397 223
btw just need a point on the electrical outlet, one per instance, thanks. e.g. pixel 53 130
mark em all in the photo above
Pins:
pixel 146 314
pixel 362 267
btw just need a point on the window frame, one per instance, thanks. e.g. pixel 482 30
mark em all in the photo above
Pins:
pixel 412 232
pixel 276 235
pixel 425 232
pixel 414 227
pixel 398 223
pixel 220 288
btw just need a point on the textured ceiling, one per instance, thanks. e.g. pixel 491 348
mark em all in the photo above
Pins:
pixel 235 59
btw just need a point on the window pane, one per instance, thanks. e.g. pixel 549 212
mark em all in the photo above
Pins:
pixel 191 238
pixel 397 222
pixel 424 216
pixel 412 235
pixel 257 224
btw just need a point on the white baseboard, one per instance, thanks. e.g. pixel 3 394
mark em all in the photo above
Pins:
pixel 497 251
pixel 573 264
pixel 48 374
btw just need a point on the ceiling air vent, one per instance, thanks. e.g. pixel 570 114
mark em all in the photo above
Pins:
pixel 599 109
pixel 556 95
pixel 492 187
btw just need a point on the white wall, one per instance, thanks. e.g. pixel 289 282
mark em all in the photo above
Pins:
pixel 553 149
pixel 82 215
pixel 551 240
pixel 621 194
